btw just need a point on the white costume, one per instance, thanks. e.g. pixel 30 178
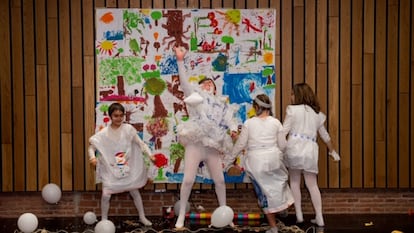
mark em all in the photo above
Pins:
pixel 120 166
pixel 302 124
pixel 210 117
pixel 205 136
pixel 264 163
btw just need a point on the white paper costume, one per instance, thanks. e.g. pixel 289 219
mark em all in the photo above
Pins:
pixel 264 162
pixel 210 117
pixel 302 124
pixel 120 164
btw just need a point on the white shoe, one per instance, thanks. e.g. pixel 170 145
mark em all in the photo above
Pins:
pixel 180 222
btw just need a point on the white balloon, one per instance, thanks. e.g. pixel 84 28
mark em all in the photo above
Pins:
pixel 177 208
pixel 51 193
pixel 105 226
pixel 222 216
pixel 27 222
pixel 89 218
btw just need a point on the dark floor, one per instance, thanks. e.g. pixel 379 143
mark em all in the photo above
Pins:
pixel 334 224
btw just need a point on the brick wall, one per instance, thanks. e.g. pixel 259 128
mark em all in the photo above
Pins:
pixel 75 204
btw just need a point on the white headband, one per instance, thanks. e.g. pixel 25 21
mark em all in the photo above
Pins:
pixel 261 103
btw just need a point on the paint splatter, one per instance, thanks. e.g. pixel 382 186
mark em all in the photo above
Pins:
pixel 107 18
pixel 268 58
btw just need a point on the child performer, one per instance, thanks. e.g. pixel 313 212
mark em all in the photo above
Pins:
pixel 120 165
pixel 204 135
pixel 303 121
pixel 264 160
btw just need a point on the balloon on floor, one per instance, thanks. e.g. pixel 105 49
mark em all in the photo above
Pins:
pixel 89 218
pixel 27 222
pixel 105 226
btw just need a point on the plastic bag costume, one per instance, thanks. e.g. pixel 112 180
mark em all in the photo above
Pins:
pixel 264 163
pixel 121 164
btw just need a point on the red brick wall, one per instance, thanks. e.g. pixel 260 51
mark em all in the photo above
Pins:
pixel 75 204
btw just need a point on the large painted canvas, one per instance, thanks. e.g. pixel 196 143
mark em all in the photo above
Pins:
pixel 136 67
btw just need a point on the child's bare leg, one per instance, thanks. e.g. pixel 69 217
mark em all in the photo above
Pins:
pixel 271 219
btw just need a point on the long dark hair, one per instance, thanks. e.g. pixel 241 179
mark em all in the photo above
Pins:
pixel 305 95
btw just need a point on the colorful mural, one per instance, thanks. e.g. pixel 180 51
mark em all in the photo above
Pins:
pixel 136 67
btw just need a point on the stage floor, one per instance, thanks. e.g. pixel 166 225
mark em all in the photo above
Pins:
pixel 356 223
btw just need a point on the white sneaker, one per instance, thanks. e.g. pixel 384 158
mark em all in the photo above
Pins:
pixel 180 222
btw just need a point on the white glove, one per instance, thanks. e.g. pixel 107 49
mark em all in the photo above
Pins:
pixel 334 155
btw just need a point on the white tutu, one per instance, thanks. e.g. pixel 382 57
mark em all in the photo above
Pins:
pixel 209 123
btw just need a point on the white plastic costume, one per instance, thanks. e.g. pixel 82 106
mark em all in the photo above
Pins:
pixel 302 124
pixel 205 138
pixel 117 173
pixel 120 166
pixel 264 162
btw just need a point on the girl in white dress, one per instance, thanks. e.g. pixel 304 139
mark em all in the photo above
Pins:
pixel 264 160
pixel 303 121
pixel 204 135
pixel 119 165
